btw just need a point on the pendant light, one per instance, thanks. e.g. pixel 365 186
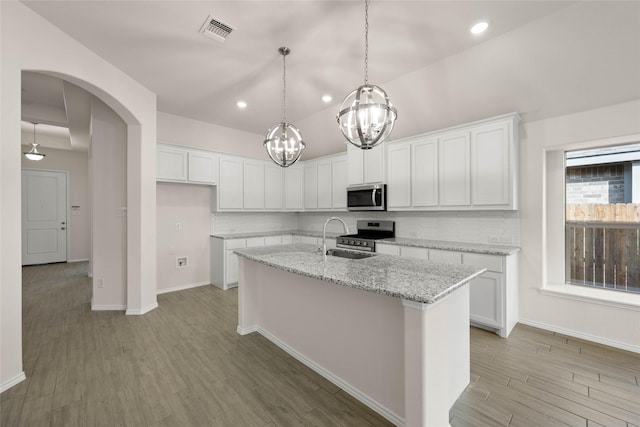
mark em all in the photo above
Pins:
pixel 284 141
pixel 34 154
pixel 366 117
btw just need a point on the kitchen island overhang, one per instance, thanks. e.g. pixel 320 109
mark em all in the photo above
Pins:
pixel 393 332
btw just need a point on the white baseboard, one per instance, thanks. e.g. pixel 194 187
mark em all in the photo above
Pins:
pixel 182 287
pixel 363 398
pixel 12 381
pixel 78 260
pixel 114 307
pixel 581 335
pixel 144 310
pixel 245 331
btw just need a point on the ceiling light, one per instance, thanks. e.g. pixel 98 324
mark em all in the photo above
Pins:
pixel 479 27
pixel 366 117
pixel 33 154
pixel 284 141
pixel 326 98
pixel 241 104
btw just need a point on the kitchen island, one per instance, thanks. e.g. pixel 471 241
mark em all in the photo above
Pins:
pixel 393 332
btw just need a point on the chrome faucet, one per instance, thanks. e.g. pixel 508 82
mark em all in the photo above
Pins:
pixel 324 233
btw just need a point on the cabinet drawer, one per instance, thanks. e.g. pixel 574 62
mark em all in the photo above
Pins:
pixel 272 240
pixel 234 244
pixel 412 252
pixel 255 242
pixel 490 262
pixel 446 257
pixel 387 249
pixel 287 239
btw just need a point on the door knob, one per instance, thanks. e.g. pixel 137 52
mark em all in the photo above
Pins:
pixel 63 228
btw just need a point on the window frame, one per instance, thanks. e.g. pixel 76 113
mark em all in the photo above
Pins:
pixel 554 219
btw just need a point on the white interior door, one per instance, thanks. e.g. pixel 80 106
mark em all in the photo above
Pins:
pixel 44 217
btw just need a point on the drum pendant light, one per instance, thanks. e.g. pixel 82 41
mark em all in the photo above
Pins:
pixel 284 141
pixel 34 154
pixel 366 117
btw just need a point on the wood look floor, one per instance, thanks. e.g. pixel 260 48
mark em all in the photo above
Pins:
pixel 184 365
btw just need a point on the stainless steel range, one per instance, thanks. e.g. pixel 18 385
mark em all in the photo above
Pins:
pixel 369 230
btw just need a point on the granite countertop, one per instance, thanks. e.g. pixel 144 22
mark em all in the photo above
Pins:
pixel 250 234
pixel 407 278
pixel 444 245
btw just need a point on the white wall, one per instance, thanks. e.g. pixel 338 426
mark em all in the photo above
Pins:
pixel 179 130
pixel 541 223
pixel 108 159
pixel 189 206
pixel 29 42
pixel 79 220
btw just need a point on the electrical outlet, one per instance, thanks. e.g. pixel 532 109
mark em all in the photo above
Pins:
pixel 494 239
pixel 100 283
pixel 181 262
pixel 505 239
pixel 178 226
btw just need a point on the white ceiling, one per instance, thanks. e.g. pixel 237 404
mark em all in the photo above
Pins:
pixel 537 58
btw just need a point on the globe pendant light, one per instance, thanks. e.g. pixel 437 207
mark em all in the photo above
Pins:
pixel 34 154
pixel 366 117
pixel 284 141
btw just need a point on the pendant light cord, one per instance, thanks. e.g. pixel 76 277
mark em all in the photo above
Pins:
pixel 284 88
pixel 366 42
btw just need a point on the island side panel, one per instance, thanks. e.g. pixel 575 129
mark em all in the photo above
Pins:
pixel 437 358
pixel 353 337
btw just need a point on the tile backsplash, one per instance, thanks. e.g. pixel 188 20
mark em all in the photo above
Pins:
pixel 495 227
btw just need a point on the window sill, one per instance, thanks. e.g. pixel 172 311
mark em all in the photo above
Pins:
pixel 622 300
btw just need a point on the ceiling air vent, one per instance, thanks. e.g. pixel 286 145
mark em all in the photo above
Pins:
pixel 216 29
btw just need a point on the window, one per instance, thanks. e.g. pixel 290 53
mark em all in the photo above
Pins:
pixel 602 218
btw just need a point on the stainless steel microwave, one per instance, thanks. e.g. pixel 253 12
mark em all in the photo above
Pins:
pixel 371 197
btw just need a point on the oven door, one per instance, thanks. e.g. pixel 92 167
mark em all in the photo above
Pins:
pixel 367 198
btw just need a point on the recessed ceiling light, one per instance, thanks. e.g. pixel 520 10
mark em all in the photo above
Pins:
pixel 241 104
pixel 326 98
pixel 479 27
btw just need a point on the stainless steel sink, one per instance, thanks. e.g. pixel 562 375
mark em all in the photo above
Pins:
pixel 349 254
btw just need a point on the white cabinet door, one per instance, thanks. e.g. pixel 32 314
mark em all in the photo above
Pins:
pixel 424 173
pixel 253 188
pixel 311 185
pixel 413 252
pixel 399 176
pixel 273 187
pixel 373 164
pixel 230 187
pixel 171 164
pixel 490 165
pixel 453 154
pixel 447 257
pixel 324 184
pixel 387 249
pixel 294 188
pixel 202 167
pixel 339 182
pixel 230 269
pixel 356 165
pixel 485 295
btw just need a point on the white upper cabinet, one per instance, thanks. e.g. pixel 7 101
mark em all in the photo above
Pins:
pixel 424 173
pixel 253 184
pixel 472 166
pixel 171 163
pixel 202 167
pixel 339 182
pixel 273 186
pixel 491 165
pixel 399 176
pixel 311 185
pixel 324 184
pixel 453 169
pixel 182 164
pixel 230 186
pixel 294 187
pixel 365 166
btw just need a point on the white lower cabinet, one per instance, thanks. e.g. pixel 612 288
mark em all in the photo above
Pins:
pixel 493 295
pixel 224 263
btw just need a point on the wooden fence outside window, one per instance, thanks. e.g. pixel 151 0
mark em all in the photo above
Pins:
pixel 603 245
